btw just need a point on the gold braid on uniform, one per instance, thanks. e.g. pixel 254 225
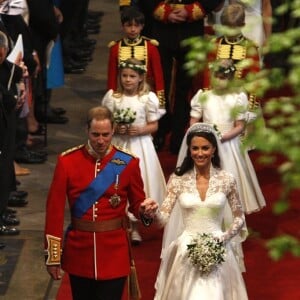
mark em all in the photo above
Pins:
pixel 134 42
pixel 233 50
pixel 136 48
pixel 253 102
pixel 54 250
pixel 72 150
pixel 197 13
pixel 162 99
pixel 152 41
pixel 125 150
pixel 162 11
pixel 124 2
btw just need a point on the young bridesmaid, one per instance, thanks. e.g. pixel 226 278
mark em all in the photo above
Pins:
pixel 136 112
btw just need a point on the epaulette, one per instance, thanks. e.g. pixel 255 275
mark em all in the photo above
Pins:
pixel 72 150
pixel 110 44
pixel 125 150
pixel 152 41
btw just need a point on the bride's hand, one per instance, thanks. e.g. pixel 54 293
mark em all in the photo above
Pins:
pixel 148 208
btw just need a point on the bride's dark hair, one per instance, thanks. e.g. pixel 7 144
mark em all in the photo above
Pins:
pixel 188 162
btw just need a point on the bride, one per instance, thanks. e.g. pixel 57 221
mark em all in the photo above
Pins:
pixel 203 193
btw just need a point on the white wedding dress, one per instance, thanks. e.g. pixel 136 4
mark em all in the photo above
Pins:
pixel 178 279
pixel 147 110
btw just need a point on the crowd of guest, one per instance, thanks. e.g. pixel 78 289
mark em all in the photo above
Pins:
pixel 40 42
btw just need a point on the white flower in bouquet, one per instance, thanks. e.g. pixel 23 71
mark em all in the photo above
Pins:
pixel 206 252
pixel 124 116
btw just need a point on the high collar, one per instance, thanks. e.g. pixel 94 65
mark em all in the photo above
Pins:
pixel 130 42
pixel 94 154
pixel 236 40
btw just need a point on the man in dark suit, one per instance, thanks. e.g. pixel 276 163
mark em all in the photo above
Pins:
pixel 10 75
pixel 44 27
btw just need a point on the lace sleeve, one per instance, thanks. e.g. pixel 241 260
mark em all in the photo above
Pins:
pixel 237 212
pixel 173 188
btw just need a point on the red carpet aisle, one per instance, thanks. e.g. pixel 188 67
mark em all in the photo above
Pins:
pixel 265 279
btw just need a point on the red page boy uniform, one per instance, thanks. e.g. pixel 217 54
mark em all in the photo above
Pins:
pixel 241 49
pixel 143 49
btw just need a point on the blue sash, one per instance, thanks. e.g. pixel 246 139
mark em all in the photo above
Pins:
pixel 100 184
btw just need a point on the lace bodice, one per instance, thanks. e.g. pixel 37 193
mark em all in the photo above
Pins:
pixel 203 215
pixel 199 216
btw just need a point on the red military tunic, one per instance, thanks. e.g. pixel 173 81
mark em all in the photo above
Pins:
pixel 242 49
pixel 100 255
pixel 144 50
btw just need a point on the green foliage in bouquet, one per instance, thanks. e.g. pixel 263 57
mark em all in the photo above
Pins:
pixel 206 252
pixel 124 116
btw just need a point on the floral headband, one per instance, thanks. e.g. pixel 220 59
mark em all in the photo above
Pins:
pixel 225 70
pixel 138 68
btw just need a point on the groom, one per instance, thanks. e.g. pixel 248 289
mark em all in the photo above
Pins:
pixel 98 180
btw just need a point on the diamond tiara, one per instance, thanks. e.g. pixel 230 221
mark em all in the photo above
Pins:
pixel 201 127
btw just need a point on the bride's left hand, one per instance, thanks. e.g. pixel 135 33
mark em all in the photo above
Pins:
pixel 148 208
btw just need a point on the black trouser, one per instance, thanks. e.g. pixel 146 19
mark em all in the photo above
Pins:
pixel 7 145
pixel 90 289
pixel 178 115
pixel 73 26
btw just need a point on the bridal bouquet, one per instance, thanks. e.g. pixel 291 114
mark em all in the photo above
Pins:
pixel 124 116
pixel 206 252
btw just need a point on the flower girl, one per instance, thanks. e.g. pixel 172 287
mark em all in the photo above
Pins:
pixel 136 113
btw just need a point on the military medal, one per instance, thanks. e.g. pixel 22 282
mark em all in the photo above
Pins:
pixel 115 199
